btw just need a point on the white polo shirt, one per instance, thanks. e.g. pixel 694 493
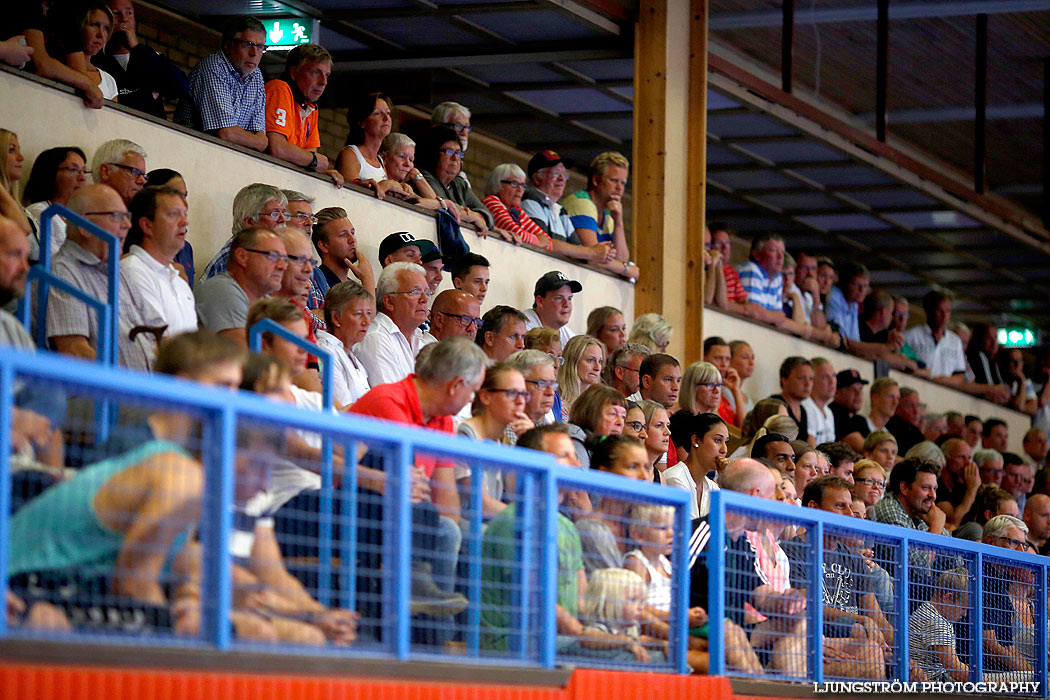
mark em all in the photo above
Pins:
pixel 944 357
pixel 162 289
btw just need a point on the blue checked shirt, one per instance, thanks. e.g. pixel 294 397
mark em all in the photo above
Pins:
pixel 761 289
pixel 220 97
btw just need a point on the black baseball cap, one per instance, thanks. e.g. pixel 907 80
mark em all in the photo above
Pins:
pixel 429 250
pixel 397 241
pixel 546 159
pixel 555 280
pixel 848 377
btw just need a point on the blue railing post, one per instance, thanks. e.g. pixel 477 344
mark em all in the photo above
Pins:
pixel 1040 631
pixel 346 493
pixel 977 621
pixel 815 537
pixel 473 535
pixel 397 536
pixel 717 582
pixel 680 589
pixel 220 463
pixel 324 525
pixel 902 595
pixel 7 397
pixel 524 541
pixel 548 582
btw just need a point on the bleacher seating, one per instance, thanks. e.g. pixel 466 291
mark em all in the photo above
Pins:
pixel 215 170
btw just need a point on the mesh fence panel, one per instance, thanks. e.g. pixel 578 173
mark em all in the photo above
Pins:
pixel 616 613
pixel 105 496
pixel 1009 617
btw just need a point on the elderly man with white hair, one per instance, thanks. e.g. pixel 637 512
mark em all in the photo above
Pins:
pixel 1009 637
pixel 121 164
pixel 389 349
pixel 506 185
pixel 256 204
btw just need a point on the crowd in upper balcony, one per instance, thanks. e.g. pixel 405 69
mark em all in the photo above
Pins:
pixel 464 362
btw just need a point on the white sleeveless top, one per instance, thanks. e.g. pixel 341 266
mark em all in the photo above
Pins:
pixel 368 171
pixel 659 594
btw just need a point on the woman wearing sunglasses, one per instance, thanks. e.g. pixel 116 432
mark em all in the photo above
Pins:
pixel 506 185
pixel 497 414
pixel 439 158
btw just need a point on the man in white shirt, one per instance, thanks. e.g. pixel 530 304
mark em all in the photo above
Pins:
pixel 942 351
pixel 389 349
pixel 552 305
pixel 158 233
pixel 939 349
pixel 820 419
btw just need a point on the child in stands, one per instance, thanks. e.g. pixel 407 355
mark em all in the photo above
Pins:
pixel 612 613
pixel 651 528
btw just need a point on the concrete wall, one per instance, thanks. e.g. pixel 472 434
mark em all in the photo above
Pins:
pixel 44 116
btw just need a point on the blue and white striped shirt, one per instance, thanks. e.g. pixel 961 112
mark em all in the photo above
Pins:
pixel 221 97
pixel 762 289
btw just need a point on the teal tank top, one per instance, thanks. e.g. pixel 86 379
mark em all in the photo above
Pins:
pixel 59 529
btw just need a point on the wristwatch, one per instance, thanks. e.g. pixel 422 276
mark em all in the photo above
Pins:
pixel 313 163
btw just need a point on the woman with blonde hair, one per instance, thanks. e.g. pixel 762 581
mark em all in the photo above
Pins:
pixel 701 388
pixel 869 484
pixel 582 360
pixel 10 176
pixel 653 331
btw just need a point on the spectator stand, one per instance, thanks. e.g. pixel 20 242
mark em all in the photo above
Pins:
pixel 913 561
pixel 215 170
pixel 772 346
pixel 237 433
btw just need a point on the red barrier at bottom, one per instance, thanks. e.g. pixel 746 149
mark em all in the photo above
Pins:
pixel 40 682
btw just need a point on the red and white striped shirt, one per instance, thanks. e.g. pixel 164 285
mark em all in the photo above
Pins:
pixel 518 222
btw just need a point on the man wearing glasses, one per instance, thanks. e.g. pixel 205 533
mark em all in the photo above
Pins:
pixel 227 97
pixel 254 270
pixel 121 164
pixel 1009 612
pixel 72 326
pixel 256 204
pixel 454 313
pixel 389 349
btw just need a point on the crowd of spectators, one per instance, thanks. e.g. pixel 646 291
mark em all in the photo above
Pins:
pixel 610 399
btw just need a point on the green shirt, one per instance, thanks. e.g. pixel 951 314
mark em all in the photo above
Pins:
pixel 497 574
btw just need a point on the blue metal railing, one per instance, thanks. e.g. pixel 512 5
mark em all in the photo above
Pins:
pixel 899 542
pixel 222 413
pixel 107 310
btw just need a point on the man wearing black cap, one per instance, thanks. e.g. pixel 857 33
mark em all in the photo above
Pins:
pixel 552 304
pixel 849 395
pixel 401 247
pixel 547 178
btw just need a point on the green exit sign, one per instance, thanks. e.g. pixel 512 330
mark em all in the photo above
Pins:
pixel 289 32
pixel 1017 337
